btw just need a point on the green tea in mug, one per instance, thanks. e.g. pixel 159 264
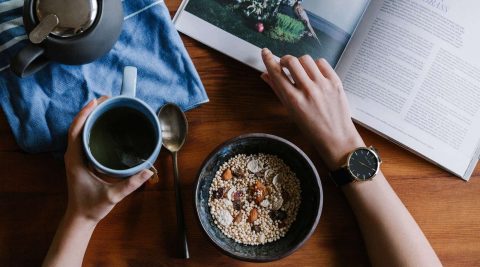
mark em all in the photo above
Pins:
pixel 122 138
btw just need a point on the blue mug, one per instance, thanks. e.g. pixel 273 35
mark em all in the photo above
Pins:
pixel 125 100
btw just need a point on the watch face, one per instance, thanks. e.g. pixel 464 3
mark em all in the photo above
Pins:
pixel 363 164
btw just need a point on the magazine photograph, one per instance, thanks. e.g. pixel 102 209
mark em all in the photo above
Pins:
pixel 321 29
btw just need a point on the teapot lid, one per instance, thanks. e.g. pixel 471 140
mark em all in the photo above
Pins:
pixel 74 16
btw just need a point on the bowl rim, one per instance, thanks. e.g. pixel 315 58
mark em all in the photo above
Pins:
pixel 302 154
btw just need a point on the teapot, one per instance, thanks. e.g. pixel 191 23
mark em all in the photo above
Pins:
pixel 72 32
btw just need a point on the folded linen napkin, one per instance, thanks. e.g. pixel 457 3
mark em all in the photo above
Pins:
pixel 41 107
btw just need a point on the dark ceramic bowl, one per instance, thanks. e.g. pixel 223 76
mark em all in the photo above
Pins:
pixel 308 213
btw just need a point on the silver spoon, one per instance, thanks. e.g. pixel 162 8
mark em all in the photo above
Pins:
pixel 174 132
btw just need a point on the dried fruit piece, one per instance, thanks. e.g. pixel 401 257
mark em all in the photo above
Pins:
pixel 239 173
pixel 238 218
pixel 237 195
pixel 278 215
pixel 260 191
pixel 259 197
pixel 224 217
pixel 230 193
pixel 253 215
pixel 253 166
pixel 259 186
pixel 265 203
pixel 277 181
pixel 227 175
pixel 256 228
pixel 269 173
pixel 237 205
pixel 217 194
pixel 277 203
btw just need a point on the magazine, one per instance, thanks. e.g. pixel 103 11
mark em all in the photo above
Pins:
pixel 410 68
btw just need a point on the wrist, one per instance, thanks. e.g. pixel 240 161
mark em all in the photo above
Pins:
pixel 78 220
pixel 338 152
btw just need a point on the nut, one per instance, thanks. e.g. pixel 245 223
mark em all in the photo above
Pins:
pixel 227 175
pixel 259 196
pixel 238 218
pixel 260 192
pixel 253 215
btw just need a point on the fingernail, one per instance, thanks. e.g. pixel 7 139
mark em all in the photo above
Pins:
pixel 146 174
pixel 265 51
pixel 92 103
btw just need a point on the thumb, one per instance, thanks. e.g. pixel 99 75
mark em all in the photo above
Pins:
pixel 125 188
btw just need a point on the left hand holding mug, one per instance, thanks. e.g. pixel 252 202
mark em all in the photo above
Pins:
pixel 90 197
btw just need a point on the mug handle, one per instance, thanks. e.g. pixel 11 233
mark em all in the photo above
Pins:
pixel 129 83
pixel 28 61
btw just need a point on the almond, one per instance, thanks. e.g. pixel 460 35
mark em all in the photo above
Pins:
pixel 227 175
pixel 260 192
pixel 259 186
pixel 253 215
pixel 238 218
pixel 260 196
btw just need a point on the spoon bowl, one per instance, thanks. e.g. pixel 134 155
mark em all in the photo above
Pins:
pixel 174 127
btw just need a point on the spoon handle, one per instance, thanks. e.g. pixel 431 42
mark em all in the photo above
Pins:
pixel 181 229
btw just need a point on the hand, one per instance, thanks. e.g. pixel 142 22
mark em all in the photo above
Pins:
pixel 317 102
pixel 90 197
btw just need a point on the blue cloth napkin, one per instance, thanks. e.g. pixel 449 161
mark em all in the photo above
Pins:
pixel 41 107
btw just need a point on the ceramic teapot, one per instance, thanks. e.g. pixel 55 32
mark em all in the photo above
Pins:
pixel 72 32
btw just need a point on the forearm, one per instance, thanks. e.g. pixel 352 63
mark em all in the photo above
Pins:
pixel 70 242
pixel 391 235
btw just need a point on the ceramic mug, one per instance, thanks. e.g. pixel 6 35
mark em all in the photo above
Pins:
pixel 125 100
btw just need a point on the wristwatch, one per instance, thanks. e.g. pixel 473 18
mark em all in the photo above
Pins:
pixel 362 164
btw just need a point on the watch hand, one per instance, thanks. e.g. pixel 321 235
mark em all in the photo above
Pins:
pixel 366 166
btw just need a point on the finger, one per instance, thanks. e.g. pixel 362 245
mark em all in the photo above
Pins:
pixel 79 120
pixel 278 80
pixel 126 187
pixel 274 69
pixel 327 71
pixel 311 68
pixel 299 75
pixel 102 99
pixel 266 78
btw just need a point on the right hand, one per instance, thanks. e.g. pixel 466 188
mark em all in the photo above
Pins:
pixel 317 102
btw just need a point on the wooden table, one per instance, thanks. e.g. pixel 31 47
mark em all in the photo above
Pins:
pixel 140 231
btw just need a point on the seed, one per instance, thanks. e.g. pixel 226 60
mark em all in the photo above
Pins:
pixel 256 193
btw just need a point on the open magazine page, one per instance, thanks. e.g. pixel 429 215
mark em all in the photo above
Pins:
pixel 412 72
pixel 240 28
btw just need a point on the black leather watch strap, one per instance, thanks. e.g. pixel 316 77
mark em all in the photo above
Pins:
pixel 341 176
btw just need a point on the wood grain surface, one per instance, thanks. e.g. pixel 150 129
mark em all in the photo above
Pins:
pixel 140 231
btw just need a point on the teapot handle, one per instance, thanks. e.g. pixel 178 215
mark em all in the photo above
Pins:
pixel 28 61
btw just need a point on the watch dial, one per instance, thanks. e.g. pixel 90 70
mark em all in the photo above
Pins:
pixel 363 164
